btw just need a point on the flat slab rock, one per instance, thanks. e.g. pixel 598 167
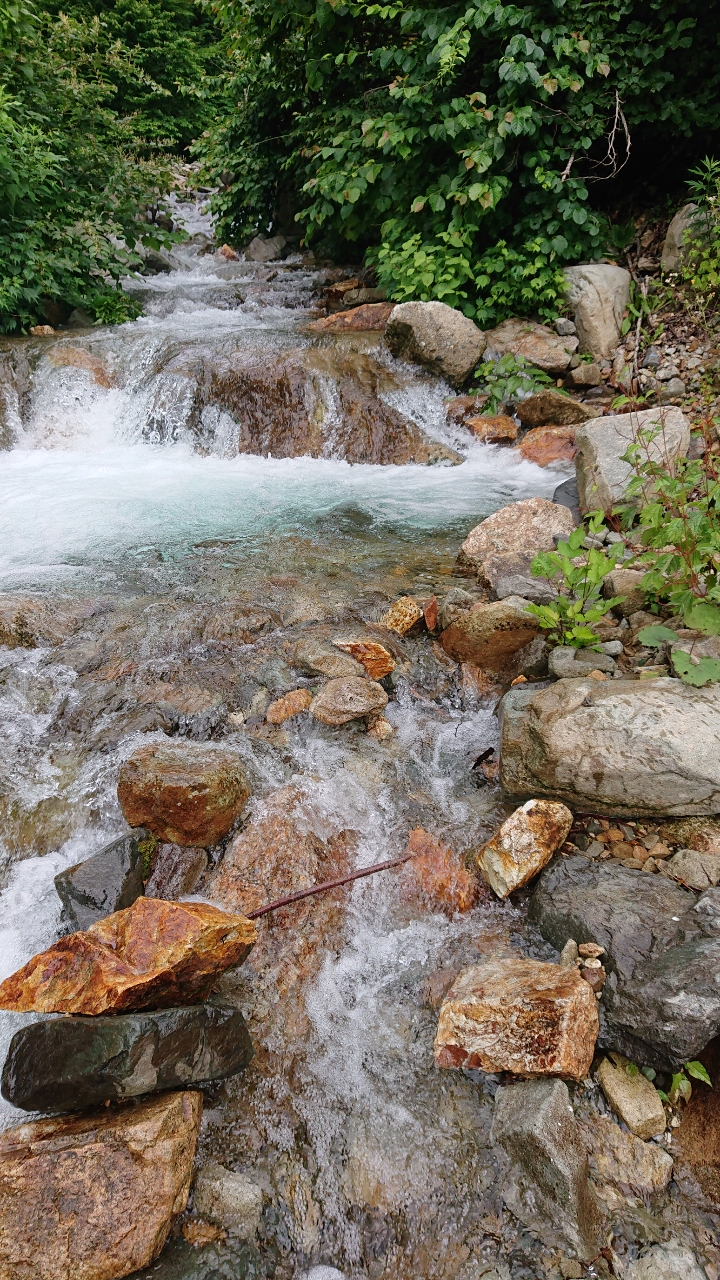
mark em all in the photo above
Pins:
pixel 515 534
pixel 622 747
pixel 602 476
pixel 152 954
pixel 184 792
pixel 94 1197
pixel 661 1004
pixel 536 343
pixel 68 1064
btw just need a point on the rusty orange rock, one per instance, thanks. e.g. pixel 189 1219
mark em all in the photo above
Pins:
pixel 517 1015
pixel 371 316
pixel 524 844
pixel 153 955
pixel 545 445
pixel 292 704
pixel 78 358
pixel 438 874
pixel 402 615
pixel 431 613
pixel 493 428
pixel 187 793
pixel 374 657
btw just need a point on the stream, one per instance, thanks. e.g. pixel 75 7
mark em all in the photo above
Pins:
pixel 171 571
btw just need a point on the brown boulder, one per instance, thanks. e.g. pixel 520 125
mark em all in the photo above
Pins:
pixel 516 1015
pixel 155 954
pixel 489 635
pixel 292 704
pixel 371 316
pixel 93 1197
pixel 551 408
pixel 495 428
pixel 524 844
pixel 373 657
pixel 627 583
pixel 348 699
pixel 545 445
pixel 184 792
pixel 459 409
pixel 437 875
pixel 436 336
pixel 535 343
pixel 518 532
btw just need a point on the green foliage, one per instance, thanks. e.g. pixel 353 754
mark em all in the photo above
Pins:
pixel 701 258
pixel 680 1086
pixel 458 143
pixel 697 672
pixel 113 307
pixel 146 850
pixel 508 379
pixel 569 618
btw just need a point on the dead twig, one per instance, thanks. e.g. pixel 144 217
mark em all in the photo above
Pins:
pixel 328 884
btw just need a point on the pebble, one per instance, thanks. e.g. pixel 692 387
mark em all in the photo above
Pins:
pixel 612 647
pixel 592 949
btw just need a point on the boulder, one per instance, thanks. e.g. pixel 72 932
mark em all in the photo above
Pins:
pixel 93 1197
pixel 372 316
pixel 230 1200
pixel 670 1261
pixel 291 704
pixel 495 428
pixel 68 1064
pixel 694 869
pixel 681 227
pixel 550 408
pixel 566 663
pixel 521 1016
pixel 548 1188
pixel 460 408
pixel 546 445
pixel 621 747
pixel 534 590
pixel 264 250
pixel 402 615
pixel 622 1167
pixel 602 476
pixel 372 656
pixel 536 343
pixel 626 583
pixel 523 845
pixel 176 871
pixel 185 792
pixel 515 534
pixel 489 635
pixel 108 881
pixel 349 699
pixel 585 375
pixel 152 954
pixel 599 295
pixel 632 1096
pixel 530 661
pixel 436 336
pixel 319 657
pixel 437 875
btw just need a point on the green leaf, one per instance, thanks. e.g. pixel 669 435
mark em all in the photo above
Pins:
pixel 655 636
pixel 698 1072
pixel 705 671
pixel 704 617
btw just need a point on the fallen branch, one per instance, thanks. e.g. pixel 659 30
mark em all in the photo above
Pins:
pixel 328 884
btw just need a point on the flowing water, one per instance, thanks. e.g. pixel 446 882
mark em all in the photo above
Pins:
pixel 167 575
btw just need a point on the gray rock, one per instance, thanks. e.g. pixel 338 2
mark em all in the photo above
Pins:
pixel 566 495
pixel 621 747
pixel 566 328
pixel 599 294
pixel 672 392
pixel 602 476
pixel 666 1262
pixel 626 583
pixel 680 227
pixel 79 318
pixel 262 250
pixel 69 1063
pixel 566 663
pixel 176 872
pixel 228 1199
pixel 695 869
pixel 536 590
pixel 612 647
pixel 154 263
pixel 319 657
pixel 548 1188
pixel 534 342
pixel 108 881
pixel 436 336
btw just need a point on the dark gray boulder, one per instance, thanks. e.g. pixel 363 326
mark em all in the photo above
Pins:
pixel 108 881
pixel 69 1063
pixel 660 1005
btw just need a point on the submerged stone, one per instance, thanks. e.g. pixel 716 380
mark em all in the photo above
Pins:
pixel 106 882
pixel 67 1064
pixel 348 699
pixel 228 1199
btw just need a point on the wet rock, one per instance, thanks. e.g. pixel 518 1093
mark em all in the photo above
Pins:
pixel 460 408
pixel 626 583
pixel 372 316
pixel 176 871
pixel 95 1196
pixel 292 704
pixel 493 428
pixel 184 792
pixel 566 663
pixel 108 881
pixel 547 445
pixel 535 343
pixel 372 656
pixel 529 661
pixel 68 1064
pixel 436 336
pixel 380 729
pixel 402 615
pixel 621 747
pixel 348 699
pixel 566 495
pixel 438 875
pixel 154 953
pixel 318 657
pixel 602 476
pixel 521 1016
pixel 550 408
pixel 679 231
pixel 523 845
pixel 264 250
pixel 666 1262
pixel 232 1200
pixel 599 295
pixel 28 620
pixel 549 1188
pixel 489 635
pixel 515 534
pixel 632 1096
pixel 694 869
pixel 622 1167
